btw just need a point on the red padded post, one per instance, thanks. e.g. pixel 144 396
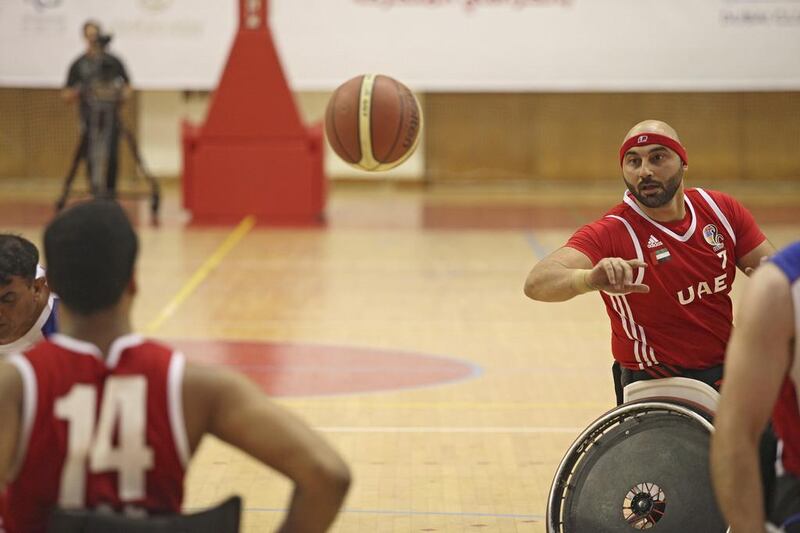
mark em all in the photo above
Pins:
pixel 253 155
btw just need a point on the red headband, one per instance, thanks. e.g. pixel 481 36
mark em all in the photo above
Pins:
pixel 652 138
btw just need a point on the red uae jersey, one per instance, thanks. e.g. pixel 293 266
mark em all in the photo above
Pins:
pixel 686 318
pixel 97 431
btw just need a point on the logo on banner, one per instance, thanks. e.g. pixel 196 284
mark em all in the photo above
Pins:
pixel 713 237
pixel 41 5
pixel 155 5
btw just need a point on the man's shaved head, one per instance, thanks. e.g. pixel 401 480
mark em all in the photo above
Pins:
pixel 652 126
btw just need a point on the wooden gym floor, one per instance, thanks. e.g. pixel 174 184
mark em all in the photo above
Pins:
pixel 400 330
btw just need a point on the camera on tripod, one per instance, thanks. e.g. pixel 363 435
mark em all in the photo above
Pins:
pixel 103 39
pixel 104 84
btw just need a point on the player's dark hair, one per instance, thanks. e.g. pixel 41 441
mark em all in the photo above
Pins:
pixel 18 257
pixel 90 251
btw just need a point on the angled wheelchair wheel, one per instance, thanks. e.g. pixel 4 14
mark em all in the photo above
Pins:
pixel 642 465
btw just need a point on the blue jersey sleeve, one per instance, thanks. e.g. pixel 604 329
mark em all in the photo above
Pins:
pixel 51 326
pixel 788 260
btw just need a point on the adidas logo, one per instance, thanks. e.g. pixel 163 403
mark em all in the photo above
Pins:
pixel 653 242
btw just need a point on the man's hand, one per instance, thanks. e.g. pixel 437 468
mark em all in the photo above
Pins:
pixel 615 275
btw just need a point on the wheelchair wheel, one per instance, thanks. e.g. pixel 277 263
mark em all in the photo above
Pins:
pixel 643 465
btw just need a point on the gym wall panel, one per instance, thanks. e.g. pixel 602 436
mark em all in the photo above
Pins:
pixel 575 137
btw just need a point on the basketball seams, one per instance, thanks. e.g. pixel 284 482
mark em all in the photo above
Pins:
pixel 400 123
pixel 413 147
pixel 367 161
pixel 332 119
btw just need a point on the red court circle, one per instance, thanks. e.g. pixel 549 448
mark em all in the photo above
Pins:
pixel 298 369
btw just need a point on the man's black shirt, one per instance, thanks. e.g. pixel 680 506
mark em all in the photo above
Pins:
pixel 88 69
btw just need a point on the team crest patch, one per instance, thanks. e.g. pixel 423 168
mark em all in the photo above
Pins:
pixel 713 237
pixel 660 256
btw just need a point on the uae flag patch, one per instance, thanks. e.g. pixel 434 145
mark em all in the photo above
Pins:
pixel 660 255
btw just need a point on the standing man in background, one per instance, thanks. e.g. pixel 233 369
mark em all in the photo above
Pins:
pixel 99 82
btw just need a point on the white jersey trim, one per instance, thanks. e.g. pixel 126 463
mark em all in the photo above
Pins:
pixel 119 345
pixel 29 399
pixel 618 308
pixel 640 343
pixel 717 211
pixel 645 355
pixel 636 245
pixel 682 238
pixel 177 365
pixel 75 345
pixel 779 468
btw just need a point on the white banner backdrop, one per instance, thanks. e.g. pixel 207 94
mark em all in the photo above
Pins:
pixel 431 45
pixel 165 44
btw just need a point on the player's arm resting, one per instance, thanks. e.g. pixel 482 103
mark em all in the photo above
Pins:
pixel 756 363
pixel 10 418
pixel 237 412
pixel 567 272
pixel 749 262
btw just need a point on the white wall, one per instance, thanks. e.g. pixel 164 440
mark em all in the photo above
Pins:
pixel 431 45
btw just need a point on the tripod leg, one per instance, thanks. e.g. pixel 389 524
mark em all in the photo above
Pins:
pixel 80 153
pixel 155 188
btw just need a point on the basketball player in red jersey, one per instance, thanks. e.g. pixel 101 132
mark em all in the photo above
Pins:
pixel 663 260
pixel 761 378
pixel 97 416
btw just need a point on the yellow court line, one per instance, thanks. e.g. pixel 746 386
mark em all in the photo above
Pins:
pixel 202 273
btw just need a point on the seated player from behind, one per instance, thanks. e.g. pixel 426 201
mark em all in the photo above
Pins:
pixel 27 307
pixel 761 379
pixel 97 416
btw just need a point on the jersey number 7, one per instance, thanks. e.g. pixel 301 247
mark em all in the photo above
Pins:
pixel 124 406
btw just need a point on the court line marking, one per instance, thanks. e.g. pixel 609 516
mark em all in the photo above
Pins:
pixel 538 250
pixel 438 429
pixel 213 261
pixel 390 512
pixel 299 404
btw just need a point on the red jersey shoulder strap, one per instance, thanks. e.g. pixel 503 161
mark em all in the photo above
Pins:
pixel 177 366
pixel 29 405
pixel 718 212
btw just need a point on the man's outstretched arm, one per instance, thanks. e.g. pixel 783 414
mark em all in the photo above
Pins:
pixel 566 273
